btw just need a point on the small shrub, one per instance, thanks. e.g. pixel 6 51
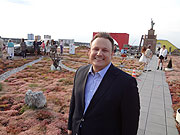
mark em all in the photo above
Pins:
pixel 68 82
pixel 23 109
pixel 61 80
pixel 29 66
pixel 43 114
pixel 0 86
pixel 33 85
pixel 43 90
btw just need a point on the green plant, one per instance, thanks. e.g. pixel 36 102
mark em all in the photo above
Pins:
pixel 61 80
pixel 33 85
pixel 43 90
pixel 23 109
pixel 0 86
pixel 68 82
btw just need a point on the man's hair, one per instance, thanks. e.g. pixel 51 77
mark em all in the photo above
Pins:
pixel 104 35
pixel 164 46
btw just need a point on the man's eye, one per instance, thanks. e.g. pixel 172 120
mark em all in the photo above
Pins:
pixel 96 49
pixel 105 50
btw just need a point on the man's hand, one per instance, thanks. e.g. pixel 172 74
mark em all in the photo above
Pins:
pixel 69 132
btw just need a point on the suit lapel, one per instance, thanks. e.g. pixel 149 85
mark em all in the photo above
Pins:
pixel 83 79
pixel 103 87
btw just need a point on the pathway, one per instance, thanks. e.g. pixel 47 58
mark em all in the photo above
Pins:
pixel 13 71
pixel 156 116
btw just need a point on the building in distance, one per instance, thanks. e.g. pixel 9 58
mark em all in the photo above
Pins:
pixel 30 36
pixel 38 37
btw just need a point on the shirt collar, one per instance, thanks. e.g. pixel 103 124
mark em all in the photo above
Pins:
pixel 101 72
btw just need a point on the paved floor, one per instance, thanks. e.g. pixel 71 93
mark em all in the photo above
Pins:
pixel 156 116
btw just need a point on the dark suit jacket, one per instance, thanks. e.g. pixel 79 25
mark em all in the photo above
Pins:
pixel 114 108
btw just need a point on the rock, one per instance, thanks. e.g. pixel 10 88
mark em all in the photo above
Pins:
pixel 35 99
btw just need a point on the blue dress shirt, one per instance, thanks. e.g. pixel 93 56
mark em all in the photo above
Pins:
pixel 93 82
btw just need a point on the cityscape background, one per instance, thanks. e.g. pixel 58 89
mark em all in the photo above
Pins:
pixel 69 19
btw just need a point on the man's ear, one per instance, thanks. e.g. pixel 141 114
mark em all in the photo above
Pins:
pixel 112 53
pixel 89 51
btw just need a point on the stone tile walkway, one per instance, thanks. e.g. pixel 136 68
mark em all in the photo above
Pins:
pixel 156 116
pixel 13 71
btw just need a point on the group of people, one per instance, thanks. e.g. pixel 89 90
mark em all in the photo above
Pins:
pixel 39 46
pixel 46 47
pixel 10 49
pixel 147 56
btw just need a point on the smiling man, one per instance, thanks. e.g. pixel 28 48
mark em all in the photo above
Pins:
pixel 105 100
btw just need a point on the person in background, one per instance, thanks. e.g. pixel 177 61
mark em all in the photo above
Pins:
pixel 105 100
pixel 10 49
pixel 143 58
pixel 148 54
pixel 43 49
pixel 158 51
pixel 61 46
pixel 1 47
pixel 39 44
pixel 48 48
pixel 36 47
pixel 53 46
pixel 162 55
pixel 23 48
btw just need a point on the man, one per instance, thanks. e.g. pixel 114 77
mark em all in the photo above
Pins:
pixel 148 54
pixel 1 47
pixel 105 100
pixel 23 48
pixel 36 47
pixel 61 46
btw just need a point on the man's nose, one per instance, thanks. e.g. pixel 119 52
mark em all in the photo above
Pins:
pixel 99 52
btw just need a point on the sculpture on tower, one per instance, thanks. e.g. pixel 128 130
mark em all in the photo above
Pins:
pixel 152 24
pixel 149 39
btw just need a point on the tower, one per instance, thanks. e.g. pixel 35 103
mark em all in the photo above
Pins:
pixel 150 39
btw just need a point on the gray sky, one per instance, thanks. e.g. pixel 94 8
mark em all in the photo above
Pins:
pixel 78 19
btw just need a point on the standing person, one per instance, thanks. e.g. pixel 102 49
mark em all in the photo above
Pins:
pixel 48 48
pixel 158 51
pixel 148 54
pixel 36 47
pixel 162 55
pixel 23 48
pixel 10 49
pixel 1 47
pixel 143 58
pixel 43 48
pixel 105 100
pixel 39 44
pixel 53 46
pixel 61 46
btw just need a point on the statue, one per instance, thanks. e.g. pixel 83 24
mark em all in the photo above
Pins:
pixel 56 58
pixel 152 24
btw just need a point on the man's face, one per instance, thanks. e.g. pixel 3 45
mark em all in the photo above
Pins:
pixel 100 53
